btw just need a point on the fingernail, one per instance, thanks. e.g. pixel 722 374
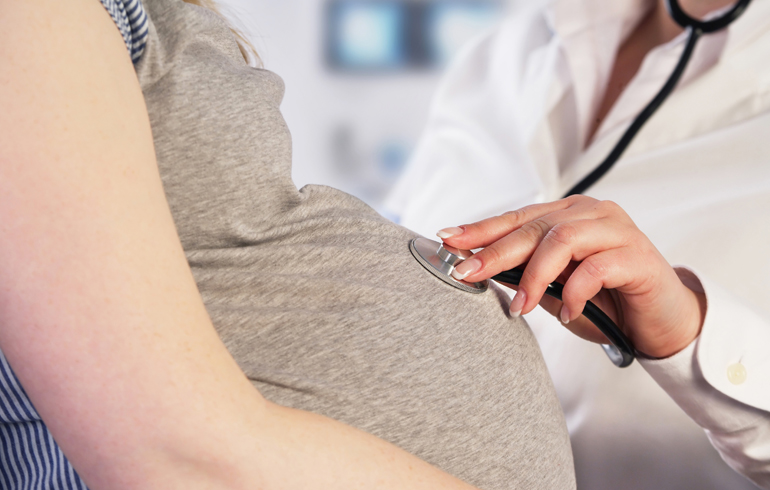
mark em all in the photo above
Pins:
pixel 466 268
pixel 450 232
pixel 518 303
pixel 564 314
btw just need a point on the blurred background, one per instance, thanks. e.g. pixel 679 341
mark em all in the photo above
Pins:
pixel 359 77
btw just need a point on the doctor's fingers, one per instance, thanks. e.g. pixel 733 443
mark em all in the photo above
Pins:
pixel 577 228
pixel 485 232
pixel 610 271
pixel 566 242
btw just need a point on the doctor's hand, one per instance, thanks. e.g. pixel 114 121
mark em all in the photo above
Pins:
pixel 597 252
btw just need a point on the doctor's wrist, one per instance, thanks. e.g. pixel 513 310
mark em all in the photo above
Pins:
pixel 694 309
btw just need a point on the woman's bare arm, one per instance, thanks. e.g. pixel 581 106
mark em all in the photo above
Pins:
pixel 99 314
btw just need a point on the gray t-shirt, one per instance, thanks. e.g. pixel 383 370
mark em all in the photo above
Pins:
pixel 318 297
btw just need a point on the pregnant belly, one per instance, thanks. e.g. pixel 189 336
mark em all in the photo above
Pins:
pixel 329 312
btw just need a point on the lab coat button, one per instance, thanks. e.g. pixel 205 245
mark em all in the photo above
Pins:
pixel 736 373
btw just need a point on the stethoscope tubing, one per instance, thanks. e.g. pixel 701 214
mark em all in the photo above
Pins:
pixel 707 26
pixel 695 29
pixel 621 351
pixel 641 119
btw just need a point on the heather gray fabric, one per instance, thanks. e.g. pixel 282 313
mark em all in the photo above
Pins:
pixel 317 296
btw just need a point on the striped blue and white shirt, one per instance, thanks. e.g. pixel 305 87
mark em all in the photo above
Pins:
pixel 131 19
pixel 29 457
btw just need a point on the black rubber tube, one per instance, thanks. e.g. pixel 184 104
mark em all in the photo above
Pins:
pixel 707 26
pixel 623 353
pixel 641 119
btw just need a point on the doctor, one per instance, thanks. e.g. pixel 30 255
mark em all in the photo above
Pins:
pixel 533 107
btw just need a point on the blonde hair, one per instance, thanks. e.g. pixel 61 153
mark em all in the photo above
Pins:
pixel 247 50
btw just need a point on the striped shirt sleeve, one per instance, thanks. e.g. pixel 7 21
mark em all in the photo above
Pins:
pixel 30 459
pixel 131 19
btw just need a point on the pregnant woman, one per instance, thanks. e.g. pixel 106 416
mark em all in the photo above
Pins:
pixel 174 313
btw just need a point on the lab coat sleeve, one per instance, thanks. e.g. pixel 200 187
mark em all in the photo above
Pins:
pixel 722 381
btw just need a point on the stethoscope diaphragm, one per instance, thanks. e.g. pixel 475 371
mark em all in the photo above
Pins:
pixel 440 260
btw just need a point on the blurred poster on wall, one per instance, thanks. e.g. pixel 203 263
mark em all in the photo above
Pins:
pixel 391 35
pixel 359 76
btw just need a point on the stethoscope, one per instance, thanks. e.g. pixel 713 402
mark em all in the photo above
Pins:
pixel 441 260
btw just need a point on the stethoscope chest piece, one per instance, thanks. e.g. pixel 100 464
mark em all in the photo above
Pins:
pixel 440 260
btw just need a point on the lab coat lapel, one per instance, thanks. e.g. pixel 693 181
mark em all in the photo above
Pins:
pixel 585 33
pixel 591 32
pixel 552 94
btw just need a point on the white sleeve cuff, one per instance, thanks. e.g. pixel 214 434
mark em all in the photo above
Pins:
pixel 732 406
pixel 733 352
pixel 729 358
pixel 681 377
pixel 739 432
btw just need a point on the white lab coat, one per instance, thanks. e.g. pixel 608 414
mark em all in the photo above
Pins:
pixel 508 128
